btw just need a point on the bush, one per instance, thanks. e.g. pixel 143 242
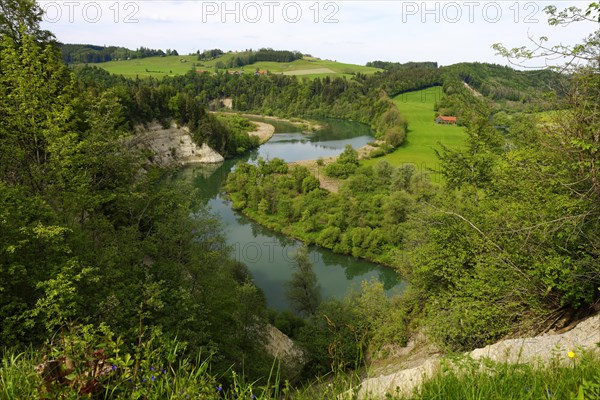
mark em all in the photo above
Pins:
pixel 378 152
pixel 331 339
pixel 345 165
pixel 395 136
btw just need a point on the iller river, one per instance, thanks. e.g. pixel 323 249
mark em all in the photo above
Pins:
pixel 269 255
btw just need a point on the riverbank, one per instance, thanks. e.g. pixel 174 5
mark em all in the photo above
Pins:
pixel 305 125
pixel 263 131
pixel 292 232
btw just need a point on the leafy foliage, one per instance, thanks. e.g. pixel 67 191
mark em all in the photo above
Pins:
pixel 90 232
pixel 303 290
pixel 364 219
pixel 345 165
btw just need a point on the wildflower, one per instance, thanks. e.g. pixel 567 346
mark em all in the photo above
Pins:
pixel 549 392
pixel 114 367
pixel 571 354
pixel 153 377
pixel 151 368
pixel 219 388
pixel 252 396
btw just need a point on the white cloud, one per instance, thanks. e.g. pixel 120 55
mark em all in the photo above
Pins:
pixel 349 31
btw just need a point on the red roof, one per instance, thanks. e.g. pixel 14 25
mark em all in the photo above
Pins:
pixel 447 119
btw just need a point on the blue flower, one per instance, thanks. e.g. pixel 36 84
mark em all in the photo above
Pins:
pixel 153 377
pixel 219 388
pixel 114 367
pixel 252 396
pixel 151 368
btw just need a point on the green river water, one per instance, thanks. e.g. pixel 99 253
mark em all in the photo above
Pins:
pixel 268 254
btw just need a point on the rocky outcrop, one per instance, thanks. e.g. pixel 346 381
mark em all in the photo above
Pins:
pixel 585 336
pixel 173 146
pixel 284 349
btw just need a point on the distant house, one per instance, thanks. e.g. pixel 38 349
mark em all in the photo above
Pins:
pixel 442 119
pixel 261 72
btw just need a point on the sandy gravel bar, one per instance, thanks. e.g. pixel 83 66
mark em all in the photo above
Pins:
pixel 263 131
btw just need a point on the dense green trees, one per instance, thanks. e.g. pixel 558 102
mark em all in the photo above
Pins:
pixel 511 243
pixel 251 57
pixel 364 219
pixel 345 165
pixel 507 244
pixel 87 53
pixel 91 233
pixel 22 17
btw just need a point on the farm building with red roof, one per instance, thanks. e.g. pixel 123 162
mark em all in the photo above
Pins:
pixel 442 119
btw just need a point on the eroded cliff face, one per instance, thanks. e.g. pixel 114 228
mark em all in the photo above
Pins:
pixel 173 146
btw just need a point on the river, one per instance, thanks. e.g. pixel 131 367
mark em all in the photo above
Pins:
pixel 268 254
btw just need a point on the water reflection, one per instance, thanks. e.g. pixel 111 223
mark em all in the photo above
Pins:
pixel 269 255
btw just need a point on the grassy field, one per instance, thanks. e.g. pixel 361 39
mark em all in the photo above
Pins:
pixel 424 135
pixel 159 67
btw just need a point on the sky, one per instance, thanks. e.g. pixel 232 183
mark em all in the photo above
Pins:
pixel 355 31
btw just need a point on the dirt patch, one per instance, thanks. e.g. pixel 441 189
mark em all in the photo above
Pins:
pixel 475 92
pixel 326 182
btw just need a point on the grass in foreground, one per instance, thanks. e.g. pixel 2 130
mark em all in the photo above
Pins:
pixel 466 379
pixel 577 378
pixel 424 135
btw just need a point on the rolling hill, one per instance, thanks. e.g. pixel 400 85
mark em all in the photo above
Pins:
pixel 159 67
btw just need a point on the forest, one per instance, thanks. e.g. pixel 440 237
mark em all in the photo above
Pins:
pixel 116 282
pixel 87 53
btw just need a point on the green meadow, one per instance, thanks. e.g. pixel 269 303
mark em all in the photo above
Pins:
pixel 159 67
pixel 424 135
pixel 156 67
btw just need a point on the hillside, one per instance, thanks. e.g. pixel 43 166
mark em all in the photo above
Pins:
pixel 159 67
pixel 423 135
